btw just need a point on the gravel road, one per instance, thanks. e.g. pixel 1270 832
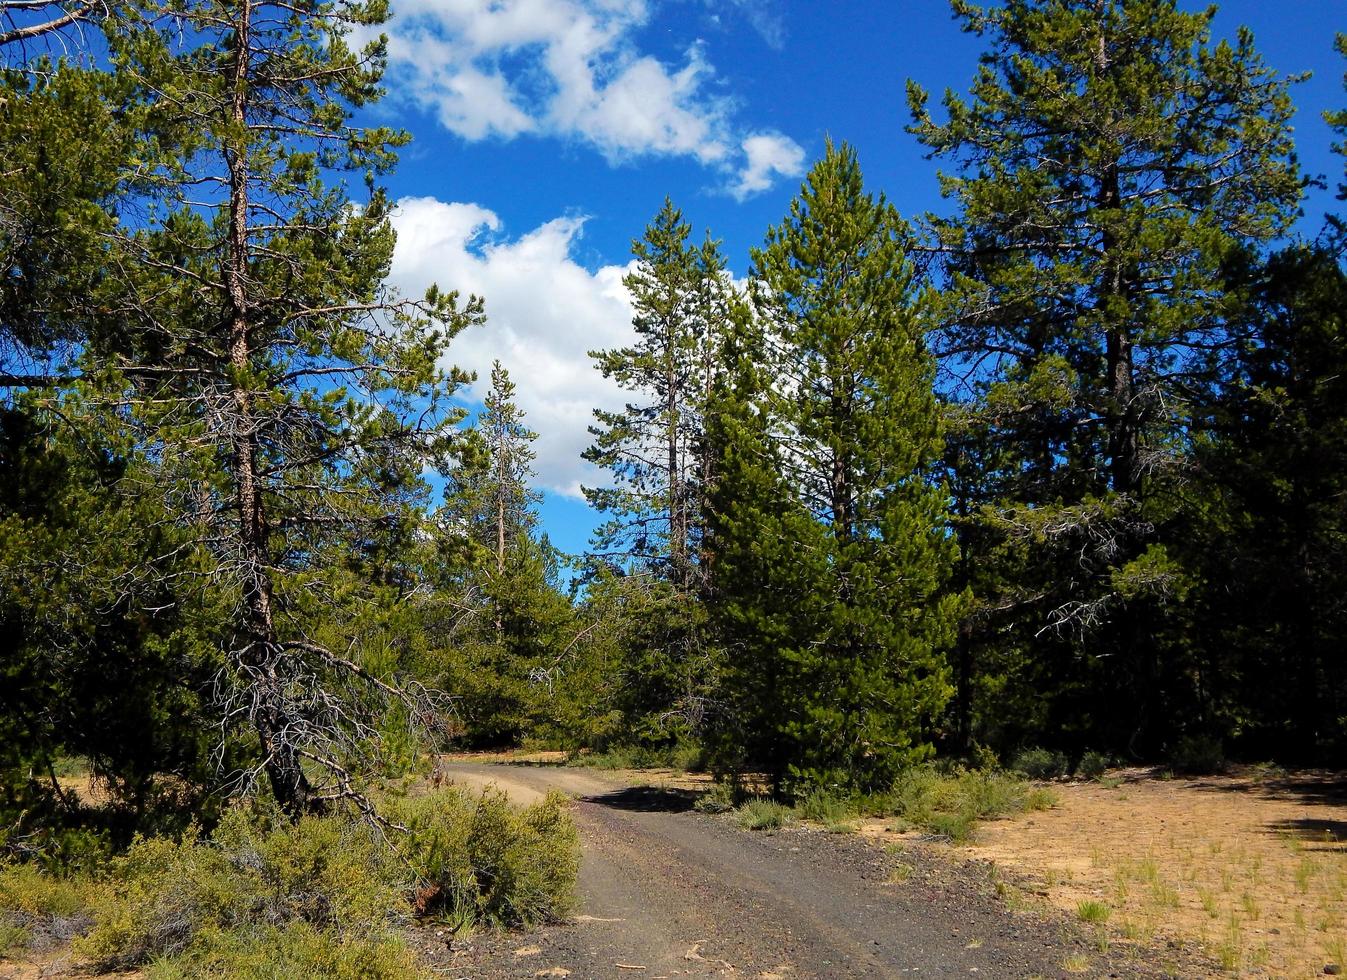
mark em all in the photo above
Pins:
pixel 668 892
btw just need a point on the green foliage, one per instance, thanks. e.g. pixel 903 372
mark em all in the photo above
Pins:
pixel 295 949
pixel 326 871
pixel 681 756
pixel 950 804
pixel 282 399
pixel 1337 121
pixel 1108 162
pixel 649 663
pixel 1269 542
pixel 330 891
pixel 40 910
pixel 1092 912
pixel 481 860
pixel 762 814
pixel 96 660
pixel 722 797
pixel 655 448
pixel 1197 755
pixel 1040 763
pixel 827 537
pixel 1092 765
pixel 828 808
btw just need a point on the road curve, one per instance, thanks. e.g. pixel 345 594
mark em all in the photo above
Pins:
pixel 666 892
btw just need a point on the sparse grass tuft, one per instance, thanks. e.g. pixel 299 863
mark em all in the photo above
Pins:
pixel 762 814
pixel 1093 912
pixel 1076 963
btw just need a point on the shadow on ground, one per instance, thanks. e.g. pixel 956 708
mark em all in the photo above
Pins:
pixel 1314 834
pixel 647 799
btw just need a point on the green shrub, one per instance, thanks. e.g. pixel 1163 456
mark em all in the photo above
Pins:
pixel 39 910
pixel 722 797
pixel 328 892
pixel 827 808
pixel 296 949
pixel 1040 764
pixel 1092 765
pixel 762 814
pixel 330 872
pixel 957 826
pixel 1197 755
pixel 950 803
pixel 481 860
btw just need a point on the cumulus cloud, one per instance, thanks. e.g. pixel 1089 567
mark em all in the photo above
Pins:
pixel 545 311
pixel 571 69
pixel 767 156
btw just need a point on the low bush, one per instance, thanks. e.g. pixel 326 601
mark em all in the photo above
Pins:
pixel 296 949
pixel 1040 764
pixel 168 896
pixel 1092 765
pixel 479 859
pixel 722 797
pixel 40 911
pixel 1197 755
pixel 762 814
pixel 950 804
pixel 837 813
pixel 827 808
pixel 262 897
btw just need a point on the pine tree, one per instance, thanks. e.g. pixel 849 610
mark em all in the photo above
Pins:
pixel 505 624
pixel 653 447
pixel 489 496
pixel 1270 544
pixel 829 543
pixel 67 149
pixel 1108 164
pixel 288 399
pixel 1337 121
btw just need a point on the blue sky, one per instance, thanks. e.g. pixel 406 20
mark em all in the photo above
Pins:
pixel 547 132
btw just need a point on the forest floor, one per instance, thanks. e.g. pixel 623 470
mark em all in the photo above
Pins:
pixel 1132 875
pixel 1251 865
pixel 669 892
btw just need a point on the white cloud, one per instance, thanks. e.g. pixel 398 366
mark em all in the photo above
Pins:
pixel 767 156
pixel 571 69
pixel 545 312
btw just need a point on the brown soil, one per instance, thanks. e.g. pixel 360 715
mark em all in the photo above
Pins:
pixel 1252 865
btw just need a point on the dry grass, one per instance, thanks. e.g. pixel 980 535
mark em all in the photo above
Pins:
pixel 1253 866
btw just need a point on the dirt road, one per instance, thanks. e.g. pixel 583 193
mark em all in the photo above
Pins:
pixel 668 892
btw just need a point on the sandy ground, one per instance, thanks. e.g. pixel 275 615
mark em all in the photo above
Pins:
pixel 1253 866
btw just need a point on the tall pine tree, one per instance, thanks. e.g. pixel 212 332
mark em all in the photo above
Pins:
pixel 653 447
pixel 829 544
pixel 1109 161
pixel 288 400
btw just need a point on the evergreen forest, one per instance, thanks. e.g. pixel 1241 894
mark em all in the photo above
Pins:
pixel 1061 469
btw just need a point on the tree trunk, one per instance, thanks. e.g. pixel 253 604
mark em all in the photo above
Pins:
pixel 678 551
pixel 1123 445
pixel 262 653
